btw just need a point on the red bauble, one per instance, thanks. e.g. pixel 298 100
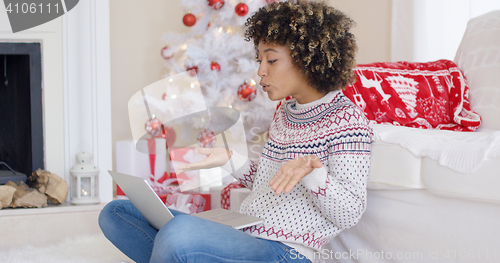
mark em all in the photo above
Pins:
pixel 216 4
pixel 192 70
pixel 154 127
pixel 189 19
pixel 166 53
pixel 247 91
pixel 206 138
pixel 215 66
pixel 169 134
pixel 241 9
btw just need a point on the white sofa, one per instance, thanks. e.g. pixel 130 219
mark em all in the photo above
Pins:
pixel 434 196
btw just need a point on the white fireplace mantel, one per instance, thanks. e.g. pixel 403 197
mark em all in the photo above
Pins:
pixel 76 90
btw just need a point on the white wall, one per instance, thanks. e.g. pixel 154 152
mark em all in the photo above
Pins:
pixel 373 29
pixel 428 30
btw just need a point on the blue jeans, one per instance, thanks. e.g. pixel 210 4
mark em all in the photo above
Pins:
pixel 186 238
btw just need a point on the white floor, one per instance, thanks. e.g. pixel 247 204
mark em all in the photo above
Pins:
pixel 63 233
pixel 81 249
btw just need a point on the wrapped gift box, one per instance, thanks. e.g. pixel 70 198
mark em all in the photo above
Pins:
pixel 187 203
pixel 237 195
pixel 229 197
pixel 153 167
pixel 188 180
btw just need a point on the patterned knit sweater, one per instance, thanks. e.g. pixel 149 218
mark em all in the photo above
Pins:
pixel 329 199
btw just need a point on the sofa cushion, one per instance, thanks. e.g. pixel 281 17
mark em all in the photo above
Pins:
pixel 478 56
pixel 431 95
pixel 480 184
pixel 392 165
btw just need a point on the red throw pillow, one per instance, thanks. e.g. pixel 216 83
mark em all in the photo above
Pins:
pixel 431 95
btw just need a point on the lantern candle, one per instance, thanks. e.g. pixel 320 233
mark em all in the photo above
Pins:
pixel 84 180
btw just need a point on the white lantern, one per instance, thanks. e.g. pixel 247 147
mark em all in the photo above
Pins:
pixel 84 180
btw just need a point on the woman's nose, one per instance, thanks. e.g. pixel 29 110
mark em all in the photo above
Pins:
pixel 262 70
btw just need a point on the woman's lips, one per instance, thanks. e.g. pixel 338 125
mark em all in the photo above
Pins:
pixel 265 87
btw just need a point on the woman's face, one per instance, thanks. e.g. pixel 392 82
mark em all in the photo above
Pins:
pixel 280 78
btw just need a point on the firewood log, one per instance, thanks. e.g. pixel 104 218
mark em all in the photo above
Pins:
pixel 50 184
pixel 57 189
pixel 38 179
pixel 27 197
pixel 6 194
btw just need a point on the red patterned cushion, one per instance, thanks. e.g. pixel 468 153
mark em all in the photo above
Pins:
pixel 432 95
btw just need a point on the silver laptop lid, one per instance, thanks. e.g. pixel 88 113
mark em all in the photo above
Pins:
pixel 144 199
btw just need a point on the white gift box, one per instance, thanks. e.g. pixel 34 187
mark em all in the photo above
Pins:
pixel 135 162
pixel 131 161
pixel 237 195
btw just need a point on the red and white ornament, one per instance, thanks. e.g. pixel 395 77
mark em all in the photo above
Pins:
pixel 206 138
pixel 216 4
pixel 247 91
pixel 167 53
pixel 215 66
pixel 241 9
pixel 154 127
pixel 189 19
pixel 192 71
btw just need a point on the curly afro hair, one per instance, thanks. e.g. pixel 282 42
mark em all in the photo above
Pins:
pixel 318 36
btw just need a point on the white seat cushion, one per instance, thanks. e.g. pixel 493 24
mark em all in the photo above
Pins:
pixel 480 185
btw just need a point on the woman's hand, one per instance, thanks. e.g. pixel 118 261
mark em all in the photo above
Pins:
pixel 216 157
pixel 292 172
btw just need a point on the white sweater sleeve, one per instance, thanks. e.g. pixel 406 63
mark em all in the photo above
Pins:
pixel 241 168
pixel 339 187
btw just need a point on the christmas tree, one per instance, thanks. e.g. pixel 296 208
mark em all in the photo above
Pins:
pixel 216 51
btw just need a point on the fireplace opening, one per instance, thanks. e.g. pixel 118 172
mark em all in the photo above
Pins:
pixel 21 123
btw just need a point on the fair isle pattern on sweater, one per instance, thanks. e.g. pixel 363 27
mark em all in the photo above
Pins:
pixel 329 199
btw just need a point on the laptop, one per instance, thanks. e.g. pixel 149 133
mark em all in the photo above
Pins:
pixel 149 204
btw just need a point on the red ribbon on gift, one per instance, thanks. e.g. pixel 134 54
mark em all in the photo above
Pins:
pixel 152 161
pixel 225 202
pixel 152 157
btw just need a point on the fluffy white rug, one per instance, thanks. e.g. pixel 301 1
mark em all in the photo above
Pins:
pixel 82 249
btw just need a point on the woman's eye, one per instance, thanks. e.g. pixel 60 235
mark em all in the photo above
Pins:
pixel 272 61
pixel 259 61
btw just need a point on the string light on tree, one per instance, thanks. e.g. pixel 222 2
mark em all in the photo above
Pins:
pixel 241 9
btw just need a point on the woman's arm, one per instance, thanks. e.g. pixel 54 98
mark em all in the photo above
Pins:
pixel 239 166
pixel 338 188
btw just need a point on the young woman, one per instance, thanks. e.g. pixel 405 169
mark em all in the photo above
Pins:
pixel 310 182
